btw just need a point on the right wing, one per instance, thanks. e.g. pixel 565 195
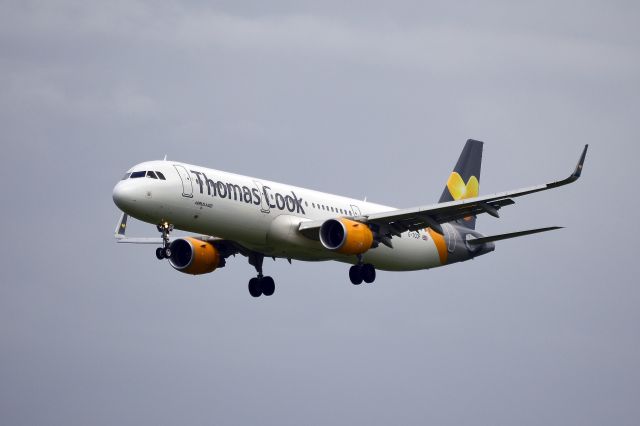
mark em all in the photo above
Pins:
pixel 431 216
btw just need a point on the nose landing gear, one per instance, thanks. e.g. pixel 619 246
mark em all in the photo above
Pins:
pixel 260 285
pixel 164 252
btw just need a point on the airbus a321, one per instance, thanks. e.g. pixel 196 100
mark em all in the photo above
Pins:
pixel 233 214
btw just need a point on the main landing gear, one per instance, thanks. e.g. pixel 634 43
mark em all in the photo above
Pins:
pixel 260 285
pixel 164 252
pixel 362 272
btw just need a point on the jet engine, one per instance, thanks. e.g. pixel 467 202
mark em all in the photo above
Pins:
pixel 346 236
pixel 193 256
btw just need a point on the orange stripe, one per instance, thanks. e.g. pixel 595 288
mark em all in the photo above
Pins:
pixel 441 245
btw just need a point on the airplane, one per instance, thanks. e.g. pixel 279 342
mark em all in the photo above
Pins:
pixel 234 214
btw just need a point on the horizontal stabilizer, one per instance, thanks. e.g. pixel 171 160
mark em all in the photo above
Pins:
pixel 482 240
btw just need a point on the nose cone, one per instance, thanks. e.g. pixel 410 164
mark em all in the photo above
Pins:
pixel 124 196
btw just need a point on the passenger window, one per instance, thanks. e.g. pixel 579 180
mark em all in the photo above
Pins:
pixel 350 214
pixel 126 176
pixel 160 175
pixel 332 209
pixel 135 175
pixel 313 205
pixel 151 175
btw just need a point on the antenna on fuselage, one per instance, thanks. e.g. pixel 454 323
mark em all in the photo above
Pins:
pixel 165 158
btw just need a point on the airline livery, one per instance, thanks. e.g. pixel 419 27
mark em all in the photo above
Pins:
pixel 234 214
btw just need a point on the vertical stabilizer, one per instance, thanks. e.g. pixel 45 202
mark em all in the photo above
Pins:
pixel 464 180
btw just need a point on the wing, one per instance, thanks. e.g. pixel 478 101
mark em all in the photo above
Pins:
pixel 431 216
pixel 121 229
pixel 227 248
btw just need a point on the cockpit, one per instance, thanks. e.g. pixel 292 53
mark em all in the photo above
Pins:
pixel 146 173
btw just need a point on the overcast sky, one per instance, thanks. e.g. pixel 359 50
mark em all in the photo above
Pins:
pixel 370 99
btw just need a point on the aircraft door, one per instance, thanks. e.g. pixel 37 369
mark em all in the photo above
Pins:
pixel 450 236
pixel 264 203
pixel 185 177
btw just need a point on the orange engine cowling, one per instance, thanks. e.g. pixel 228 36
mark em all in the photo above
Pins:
pixel 346 236
pixel 193 256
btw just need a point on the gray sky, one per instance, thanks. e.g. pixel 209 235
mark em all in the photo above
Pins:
pixel 368 99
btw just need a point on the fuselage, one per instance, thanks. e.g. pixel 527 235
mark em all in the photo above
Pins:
pixel 265 216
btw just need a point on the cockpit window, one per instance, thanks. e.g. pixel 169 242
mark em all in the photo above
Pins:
pixel 149 173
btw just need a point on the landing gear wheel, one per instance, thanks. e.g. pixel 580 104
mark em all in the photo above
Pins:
pixel 255 289
pixel 368 273
pixel 160 253
pixel 268 286
pixel 355 274
pixel 164 252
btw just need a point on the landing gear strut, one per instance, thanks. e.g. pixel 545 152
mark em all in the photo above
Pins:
pixel 362 272
pixel 260 285
pixel 164 252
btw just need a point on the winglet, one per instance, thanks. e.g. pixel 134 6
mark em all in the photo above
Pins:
pixel 576 173
pixel 121 227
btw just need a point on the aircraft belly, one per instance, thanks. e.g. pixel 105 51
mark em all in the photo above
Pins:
pixel 407 254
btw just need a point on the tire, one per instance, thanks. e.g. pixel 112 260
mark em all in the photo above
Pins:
pixel 254 287
pixel 355 274
pixel 160 253
pixel 368 273
pixel 268 286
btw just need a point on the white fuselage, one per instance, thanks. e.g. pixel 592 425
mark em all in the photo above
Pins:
pixel 264 216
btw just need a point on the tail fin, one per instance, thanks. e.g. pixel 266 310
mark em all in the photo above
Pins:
pixel 464 181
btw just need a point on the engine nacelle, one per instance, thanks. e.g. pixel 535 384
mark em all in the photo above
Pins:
pixel 346 236
pixel 193 256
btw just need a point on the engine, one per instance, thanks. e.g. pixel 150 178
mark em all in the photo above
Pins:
pixel 346 236
pixel 193 256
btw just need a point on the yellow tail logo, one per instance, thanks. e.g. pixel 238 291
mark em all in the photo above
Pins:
pixel 459 190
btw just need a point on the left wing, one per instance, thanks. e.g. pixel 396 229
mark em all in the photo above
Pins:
pixel 431 216
pixel 120 234
pixel 121 228
pixel 226 247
